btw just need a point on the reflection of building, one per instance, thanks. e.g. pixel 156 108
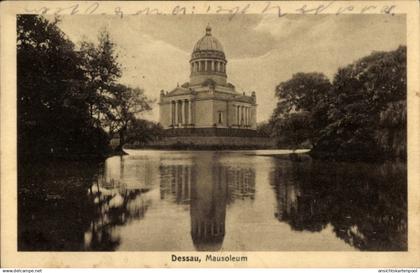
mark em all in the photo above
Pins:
pixel 208 186
pixel 175 182
pixel 208 101
pixel 208 205
pixel 241 183
pixel 134 173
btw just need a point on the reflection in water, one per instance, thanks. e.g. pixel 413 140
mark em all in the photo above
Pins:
pixel 365 203
pixel 212 201
pixel 208 188
pixel 117 199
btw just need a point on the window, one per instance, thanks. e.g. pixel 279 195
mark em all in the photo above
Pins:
pixel 220 117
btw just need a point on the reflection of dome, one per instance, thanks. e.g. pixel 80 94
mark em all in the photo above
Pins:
pixel 214 244
pixel 208 235
pixel 208 42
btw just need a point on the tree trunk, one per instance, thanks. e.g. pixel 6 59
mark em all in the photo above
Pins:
pixel 119 148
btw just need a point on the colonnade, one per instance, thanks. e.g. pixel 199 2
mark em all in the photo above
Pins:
pixel 243 115
pixel 208 65
pixel 181 112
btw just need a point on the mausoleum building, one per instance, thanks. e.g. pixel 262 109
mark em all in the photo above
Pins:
pixel 208 103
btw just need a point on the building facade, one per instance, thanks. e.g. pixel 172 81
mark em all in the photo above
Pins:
pixel 208 102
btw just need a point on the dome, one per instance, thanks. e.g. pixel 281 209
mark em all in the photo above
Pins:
pixel 208 42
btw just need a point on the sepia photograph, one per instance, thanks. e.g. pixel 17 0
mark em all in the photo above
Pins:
pixel 211 136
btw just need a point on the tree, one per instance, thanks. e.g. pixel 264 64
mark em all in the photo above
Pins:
pixel 102 70
pixel 53 118
pixel 305 93
pixel 294 127
pixel 127 104
pixel 361 92
pixel 264 129
pixel 361 115
pixel 143 131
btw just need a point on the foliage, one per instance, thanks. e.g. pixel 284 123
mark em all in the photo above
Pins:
pixel 129 102
pixel 364 203
pixel 69 101
pixel 143 131
pixel 264 129
pixel 102 71
pixel 295 127
pixel 361 115
pixel 52 115
pixel 304 100
pixel 392 133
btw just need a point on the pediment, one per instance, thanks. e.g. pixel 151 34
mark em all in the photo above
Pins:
pixel 180 91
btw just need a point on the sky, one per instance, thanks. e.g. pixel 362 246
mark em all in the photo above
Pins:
pixel 262 50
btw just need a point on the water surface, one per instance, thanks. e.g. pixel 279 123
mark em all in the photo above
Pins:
pixel 211 201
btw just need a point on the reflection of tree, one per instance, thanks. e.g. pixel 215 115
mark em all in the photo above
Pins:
pixel 207 186
pixel 113 205
pixel 71 206
pixel 364 203
pixel 53 211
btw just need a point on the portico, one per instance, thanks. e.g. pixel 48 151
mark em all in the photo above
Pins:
pixel 181 113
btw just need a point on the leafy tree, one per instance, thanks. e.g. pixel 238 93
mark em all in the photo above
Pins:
pixel 302 93
pixel 143 131
pixel 352 117
pixel 127 104
pixel 305 93
pixel 53 118
pixel 392 134
pixel 294 127
pixel 264 129
pixel 102 70
pixel 361 92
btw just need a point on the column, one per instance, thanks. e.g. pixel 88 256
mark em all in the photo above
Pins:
pixel 213 66
pixel 237 115
pixel 189 112
pixel 242 115
pixel 186 112
pixel 205 65
pixel 182 111
pixel 176 112
pixel 246 115
pixel 198 67
pixel 172 113
pixel 251 116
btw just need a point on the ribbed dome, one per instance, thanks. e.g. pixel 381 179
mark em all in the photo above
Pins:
pixel 208 42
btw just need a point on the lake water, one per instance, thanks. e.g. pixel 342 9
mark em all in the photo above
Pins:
pixel 212 201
